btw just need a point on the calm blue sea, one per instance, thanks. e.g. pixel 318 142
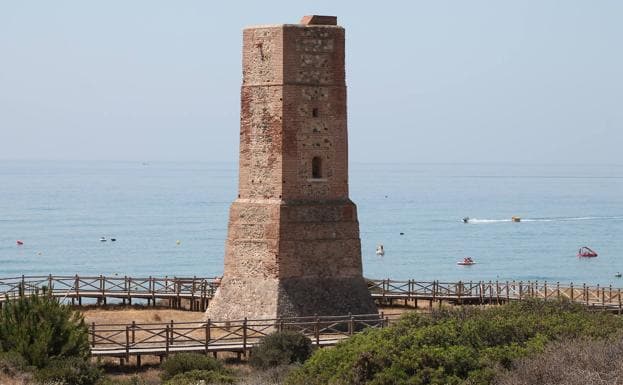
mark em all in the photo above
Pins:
pixel 61 209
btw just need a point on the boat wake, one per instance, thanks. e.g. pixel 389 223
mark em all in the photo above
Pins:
pixel 476 220
pixel 552 219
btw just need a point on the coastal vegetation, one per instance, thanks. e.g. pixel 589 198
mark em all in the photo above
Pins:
pixel 281 348
pixel 570 362
pixel 45 339
pixel 458 346
pixel 191 368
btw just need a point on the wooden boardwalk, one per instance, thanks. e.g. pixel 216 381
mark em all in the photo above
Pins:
pixel 160 339
pixel 177 292
pixel 211 337
pixel 194 293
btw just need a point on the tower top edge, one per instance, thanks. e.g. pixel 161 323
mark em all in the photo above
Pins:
pixel 306 21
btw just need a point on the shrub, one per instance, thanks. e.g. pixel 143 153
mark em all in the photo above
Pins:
pixel 461 346
pixel 281 348
pixel 68 371
pixel 14 370
pixel 186 362
pixel 195 377
pixel 571 362
pixel 271 376
pixel 38 328
pixel 134 380
pixel 12 363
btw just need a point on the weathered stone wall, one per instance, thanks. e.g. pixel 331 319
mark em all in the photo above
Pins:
pixel 293 243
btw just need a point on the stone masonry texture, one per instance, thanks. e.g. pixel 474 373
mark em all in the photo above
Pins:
pixel 293 246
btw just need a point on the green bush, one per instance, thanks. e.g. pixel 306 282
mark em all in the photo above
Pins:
pixel 68 371
pixel 186 362
pixel 195 377
pixel 39 328
pixel 281 348
pixel 462 346
pixel 134 380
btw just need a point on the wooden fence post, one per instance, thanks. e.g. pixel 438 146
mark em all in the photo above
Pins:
pixel 459 291
pixel 383 320
pixel 130 291
pixel 50 287
pixel 192 294
pixel 610 294
pixel 101 286
pixel 244 336
pixel 77 289
pixel 92 334
pixel 150 288
pixel 127 343
pixel 207 336
pixel 351 324
pixel 317 331
pixel 172 332
pixel 572 294
pixel 167 332
pixel 481 289
pixel 507 292
pixel 125 288
pixel 133 332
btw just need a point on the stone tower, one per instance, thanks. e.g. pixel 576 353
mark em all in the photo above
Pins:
pixel 293 245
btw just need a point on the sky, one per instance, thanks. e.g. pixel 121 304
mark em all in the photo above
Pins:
pixel 532 81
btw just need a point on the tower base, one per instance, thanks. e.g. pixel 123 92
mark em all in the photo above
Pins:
pixel 272 298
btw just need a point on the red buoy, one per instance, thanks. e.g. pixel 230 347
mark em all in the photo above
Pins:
pixel 19 243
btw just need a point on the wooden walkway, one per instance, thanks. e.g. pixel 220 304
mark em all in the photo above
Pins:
pixel 161 339
pixel 194 293
pixel 177 292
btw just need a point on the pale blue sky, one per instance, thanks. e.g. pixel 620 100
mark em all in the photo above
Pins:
pixel 429 81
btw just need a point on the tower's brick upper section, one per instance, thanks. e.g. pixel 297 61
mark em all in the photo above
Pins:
pixel 293 138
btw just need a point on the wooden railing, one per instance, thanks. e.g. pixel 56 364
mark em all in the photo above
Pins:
pixel 194 293
pixel 496 292
pixel 124 340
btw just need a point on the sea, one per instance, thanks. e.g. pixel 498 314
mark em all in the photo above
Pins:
pixel 170 218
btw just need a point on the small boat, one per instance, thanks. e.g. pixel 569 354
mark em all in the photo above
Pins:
pixel 515 219
pixel 19 242
pixel 618 275
pixel 380 250
pixel 466 220
pixel 467 261
pixel 102 239
pixel 113 239
pixel 586 252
